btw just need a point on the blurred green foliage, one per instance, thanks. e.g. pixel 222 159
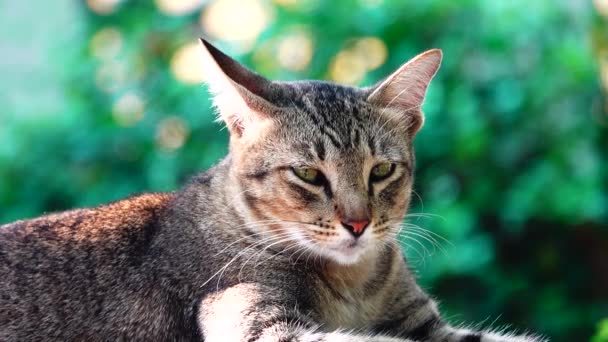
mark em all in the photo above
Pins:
pixel 512 166
pixel 602 332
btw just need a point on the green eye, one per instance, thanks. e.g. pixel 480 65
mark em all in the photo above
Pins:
pixel 309 175
pixel 382 171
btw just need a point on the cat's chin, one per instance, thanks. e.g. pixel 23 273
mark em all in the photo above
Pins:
pixel 346 254
pixel 347 251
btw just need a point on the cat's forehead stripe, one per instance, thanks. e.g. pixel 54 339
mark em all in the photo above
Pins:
pixel 337 111
pixel 319 148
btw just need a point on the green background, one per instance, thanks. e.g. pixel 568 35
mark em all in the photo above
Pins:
pixel 102 99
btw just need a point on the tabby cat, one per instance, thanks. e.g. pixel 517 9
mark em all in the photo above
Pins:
pixel 291 237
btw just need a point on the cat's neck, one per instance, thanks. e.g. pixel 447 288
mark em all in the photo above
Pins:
pixel 212 196
pixel 353 278
pixel 233 198
pixel 222 199
pixel 351 275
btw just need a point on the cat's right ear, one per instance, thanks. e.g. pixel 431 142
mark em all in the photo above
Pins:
pixel 239 94
pixel 405 89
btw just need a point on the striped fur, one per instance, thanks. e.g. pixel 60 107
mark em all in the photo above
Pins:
pixel 247 251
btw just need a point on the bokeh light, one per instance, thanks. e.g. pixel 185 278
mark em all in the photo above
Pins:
pixel 111 76
pixel 186 64
pixel 372 50
pixel 171 133
pixel 351 65
pixel 601 6
pixel 348 68
pixel 238 21
pixel 178 7
pixel 128 109
pixel 103 7
pixel 106 43
pixel 295 50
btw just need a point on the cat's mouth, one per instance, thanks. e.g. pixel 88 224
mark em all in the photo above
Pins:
pixel 349 247
pixel 344 251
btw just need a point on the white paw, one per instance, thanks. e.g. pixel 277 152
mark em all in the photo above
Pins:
pixel 495 337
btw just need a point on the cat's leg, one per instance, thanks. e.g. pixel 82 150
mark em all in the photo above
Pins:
pixel 411 313
pixel 250 312
pixel 417 317
pixel 449 333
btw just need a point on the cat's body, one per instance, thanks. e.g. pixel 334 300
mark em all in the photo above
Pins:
pixel 138 269
pixel 250 250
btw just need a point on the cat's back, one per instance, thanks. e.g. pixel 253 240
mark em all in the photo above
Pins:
pixel 57 269
pixel 106 225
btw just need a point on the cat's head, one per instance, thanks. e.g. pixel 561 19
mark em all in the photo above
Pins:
pixel 318 167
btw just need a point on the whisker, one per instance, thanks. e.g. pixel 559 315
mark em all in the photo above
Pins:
pixel 434 244
pixel 301 251
pixel 248 236
pixel 258 254
pixel 424 248
pixel 419 199
pixel 223 268
pixel 396 235
pixel 409 247
pixel 416 227
pixel 272 238
pixel 427 237
pixel 423 214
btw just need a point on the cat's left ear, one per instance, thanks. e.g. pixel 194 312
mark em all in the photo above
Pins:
pixel 405 89
pixel 240 95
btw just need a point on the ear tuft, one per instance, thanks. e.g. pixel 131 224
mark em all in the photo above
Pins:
pixel 236 71
pixel 239 94
pixel 406 88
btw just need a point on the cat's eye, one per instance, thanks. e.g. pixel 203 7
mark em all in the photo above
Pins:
pixel 309 175
pixel 382 171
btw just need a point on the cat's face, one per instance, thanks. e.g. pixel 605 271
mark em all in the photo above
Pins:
pixel 331 169
pixel 322 169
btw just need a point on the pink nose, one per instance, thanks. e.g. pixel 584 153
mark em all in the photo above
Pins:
pixel 356 228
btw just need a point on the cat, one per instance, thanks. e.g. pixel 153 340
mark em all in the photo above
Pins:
pixel 291 237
